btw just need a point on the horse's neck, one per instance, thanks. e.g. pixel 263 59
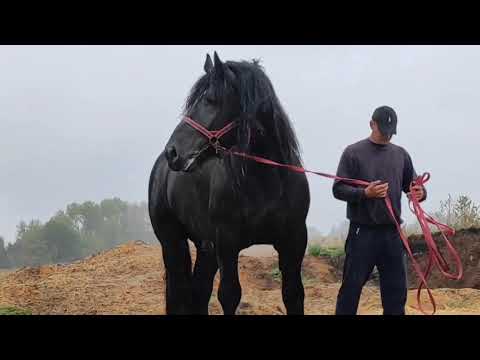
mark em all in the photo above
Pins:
pixel 267 149
pixel 251 172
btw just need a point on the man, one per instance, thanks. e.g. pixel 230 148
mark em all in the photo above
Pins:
pixel 373 239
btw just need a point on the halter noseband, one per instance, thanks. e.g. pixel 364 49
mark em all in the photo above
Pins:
pixel 213 136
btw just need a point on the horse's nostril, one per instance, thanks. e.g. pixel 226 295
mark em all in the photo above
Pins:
pixel 173 159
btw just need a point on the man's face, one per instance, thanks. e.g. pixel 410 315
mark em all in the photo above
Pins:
pixel 378 133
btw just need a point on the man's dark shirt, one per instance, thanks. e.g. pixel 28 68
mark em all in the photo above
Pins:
pixel 366 160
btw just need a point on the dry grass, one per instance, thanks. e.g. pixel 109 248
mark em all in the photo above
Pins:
pixel 129 280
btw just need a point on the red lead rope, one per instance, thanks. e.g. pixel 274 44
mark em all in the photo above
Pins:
pixel 434 258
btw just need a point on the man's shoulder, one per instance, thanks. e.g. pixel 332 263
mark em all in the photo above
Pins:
pixel 399 148
pixel 352 148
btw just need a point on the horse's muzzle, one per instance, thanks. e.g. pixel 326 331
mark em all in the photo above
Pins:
pixel 177 163
pixel 174 161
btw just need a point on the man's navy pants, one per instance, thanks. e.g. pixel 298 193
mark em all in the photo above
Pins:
pixel 366 247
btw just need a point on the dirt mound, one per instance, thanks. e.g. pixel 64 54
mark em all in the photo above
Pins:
pixel 130 280
pixel 467 243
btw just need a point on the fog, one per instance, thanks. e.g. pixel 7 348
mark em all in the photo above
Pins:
pixel 87 122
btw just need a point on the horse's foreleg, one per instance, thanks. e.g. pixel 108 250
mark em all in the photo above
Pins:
pixel 230 291
pixel 178 278
pixel 291 251
pixel 203 275
pixel 178 266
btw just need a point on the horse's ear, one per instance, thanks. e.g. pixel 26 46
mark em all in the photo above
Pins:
pixel 208 64
pixel 218 64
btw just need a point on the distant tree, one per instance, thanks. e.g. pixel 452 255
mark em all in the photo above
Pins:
pixel 30 248
pixel 62 238
pixel 114 225
pixel 74 211
pixel 87 217
pixel 82 229
pixel 113 208
pixel 137 223
pixel 88 220
pixel 466 213
pixel 22 228
pixel 460 213
pixel 4 261
pixel 446 214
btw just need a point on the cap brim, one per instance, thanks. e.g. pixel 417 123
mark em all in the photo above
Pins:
pixel 388 130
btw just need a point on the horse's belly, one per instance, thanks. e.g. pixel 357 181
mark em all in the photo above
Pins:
pixel 266 232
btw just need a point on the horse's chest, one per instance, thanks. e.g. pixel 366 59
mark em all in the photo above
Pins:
pixel 188 196
pixel 248 209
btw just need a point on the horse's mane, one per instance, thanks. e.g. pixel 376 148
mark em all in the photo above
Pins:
pixel 262 116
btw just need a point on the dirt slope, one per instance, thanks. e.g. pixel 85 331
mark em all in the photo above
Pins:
pixel 467 243
pixel 129 280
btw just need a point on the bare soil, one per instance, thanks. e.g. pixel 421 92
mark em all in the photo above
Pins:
pixel 130 280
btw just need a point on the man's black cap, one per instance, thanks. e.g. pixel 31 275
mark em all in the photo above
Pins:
pixel 386 118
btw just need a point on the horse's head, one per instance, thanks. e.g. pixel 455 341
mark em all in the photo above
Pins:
pixel 213 103
pixel 238 92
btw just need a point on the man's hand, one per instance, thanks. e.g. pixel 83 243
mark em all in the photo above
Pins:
pixel 374 190
pixel 418 192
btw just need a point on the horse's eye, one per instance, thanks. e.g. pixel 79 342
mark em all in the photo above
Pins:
pixel 210 100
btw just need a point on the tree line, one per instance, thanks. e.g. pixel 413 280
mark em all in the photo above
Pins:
pixel 84 229
pixel 77 231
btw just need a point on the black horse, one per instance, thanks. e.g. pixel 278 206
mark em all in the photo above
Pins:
pixel 224 203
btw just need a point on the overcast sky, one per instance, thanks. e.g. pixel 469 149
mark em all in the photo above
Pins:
pixel 84 123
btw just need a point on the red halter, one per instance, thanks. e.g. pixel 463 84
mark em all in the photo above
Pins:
pixel 213 136
pixel 435 257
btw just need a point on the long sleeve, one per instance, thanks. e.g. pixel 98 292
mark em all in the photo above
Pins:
pixel 341 190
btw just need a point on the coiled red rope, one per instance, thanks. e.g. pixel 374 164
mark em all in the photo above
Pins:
pixel 435 258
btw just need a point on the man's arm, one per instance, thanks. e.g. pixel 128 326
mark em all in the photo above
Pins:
pixel 341 190
pixel 409 174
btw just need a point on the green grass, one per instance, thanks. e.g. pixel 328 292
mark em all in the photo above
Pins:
pixel 14 311
pixel 334 254
pixel 331 252
pixel 276 274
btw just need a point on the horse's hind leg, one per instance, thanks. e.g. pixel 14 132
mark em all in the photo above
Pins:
pixel 291 251
pixel 203 275
pixel 178 265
